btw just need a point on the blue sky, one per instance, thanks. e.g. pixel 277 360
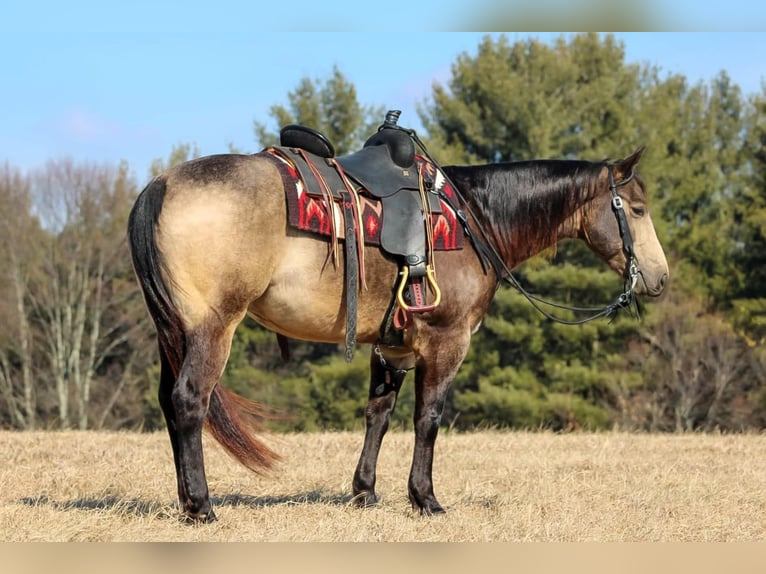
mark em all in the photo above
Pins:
pixel 105 81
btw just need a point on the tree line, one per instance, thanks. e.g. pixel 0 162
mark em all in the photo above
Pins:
pixel 77 348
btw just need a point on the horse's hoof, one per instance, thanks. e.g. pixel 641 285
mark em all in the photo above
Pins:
pixel 365 499
pixel 428 508
pixel 199 518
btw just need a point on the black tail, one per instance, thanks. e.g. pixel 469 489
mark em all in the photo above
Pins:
pixel 231 419
pixel 147 263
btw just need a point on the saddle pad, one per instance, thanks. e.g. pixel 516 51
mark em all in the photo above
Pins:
pixel 310 213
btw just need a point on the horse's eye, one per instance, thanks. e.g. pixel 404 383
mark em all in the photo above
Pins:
pixel 638 211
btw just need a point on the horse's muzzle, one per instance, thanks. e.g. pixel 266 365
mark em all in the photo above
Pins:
pixel 655 288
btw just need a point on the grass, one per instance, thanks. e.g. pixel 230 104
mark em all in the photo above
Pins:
pixel 496 486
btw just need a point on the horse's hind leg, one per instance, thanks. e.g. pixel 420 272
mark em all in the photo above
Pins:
pixel 167 382
pixel 207 350
pixel 385 383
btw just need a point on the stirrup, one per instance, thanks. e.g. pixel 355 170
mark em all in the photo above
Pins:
pixel 405 273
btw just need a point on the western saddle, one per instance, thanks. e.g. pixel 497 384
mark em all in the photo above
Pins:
pixel 385 169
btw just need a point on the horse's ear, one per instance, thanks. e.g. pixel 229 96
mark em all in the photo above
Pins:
pixel 624 167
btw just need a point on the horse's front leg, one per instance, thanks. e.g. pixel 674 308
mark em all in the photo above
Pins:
pixel 434 373
pixel 386 377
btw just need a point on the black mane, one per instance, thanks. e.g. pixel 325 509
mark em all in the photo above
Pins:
pixel 522 204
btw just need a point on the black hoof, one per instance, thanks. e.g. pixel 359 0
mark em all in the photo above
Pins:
pixel 365 499
pixel 427 508
pixel 199 518
pixel 432 511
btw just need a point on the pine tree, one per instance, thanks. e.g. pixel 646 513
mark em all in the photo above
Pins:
pixel 750 231
pixel 329 105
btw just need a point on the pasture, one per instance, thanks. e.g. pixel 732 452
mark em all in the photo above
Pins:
pixel 496 486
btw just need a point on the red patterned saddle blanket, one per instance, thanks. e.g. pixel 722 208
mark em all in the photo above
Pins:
pixel 310 212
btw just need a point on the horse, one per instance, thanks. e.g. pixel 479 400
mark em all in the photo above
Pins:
pixel 210 244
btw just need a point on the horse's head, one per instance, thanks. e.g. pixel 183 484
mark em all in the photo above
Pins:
pixel 600 226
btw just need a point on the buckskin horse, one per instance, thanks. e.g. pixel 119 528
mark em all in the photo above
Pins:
pixel 211 243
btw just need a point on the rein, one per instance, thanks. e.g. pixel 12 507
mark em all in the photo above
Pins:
pixel 488 254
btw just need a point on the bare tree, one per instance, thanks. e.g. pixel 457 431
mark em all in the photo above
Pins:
pixel 18 239
pixel 695 364
pixel 85 284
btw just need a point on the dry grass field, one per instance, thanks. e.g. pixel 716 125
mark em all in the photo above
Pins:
pixel 496 486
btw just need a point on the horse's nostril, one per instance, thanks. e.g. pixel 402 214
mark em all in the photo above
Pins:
pixel 661 284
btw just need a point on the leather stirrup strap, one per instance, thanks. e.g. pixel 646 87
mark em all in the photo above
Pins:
pixel 352 273
pixel 327 197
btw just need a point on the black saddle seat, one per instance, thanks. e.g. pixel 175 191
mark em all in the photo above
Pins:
pixel 303 137
pixel 399 144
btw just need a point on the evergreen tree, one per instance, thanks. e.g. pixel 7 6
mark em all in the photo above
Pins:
pixel 328 105
pixel 694 164
pixel 749 305
pixel 531 100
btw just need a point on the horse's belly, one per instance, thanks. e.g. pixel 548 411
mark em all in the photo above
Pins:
pixel 306 296
pixel 300 312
